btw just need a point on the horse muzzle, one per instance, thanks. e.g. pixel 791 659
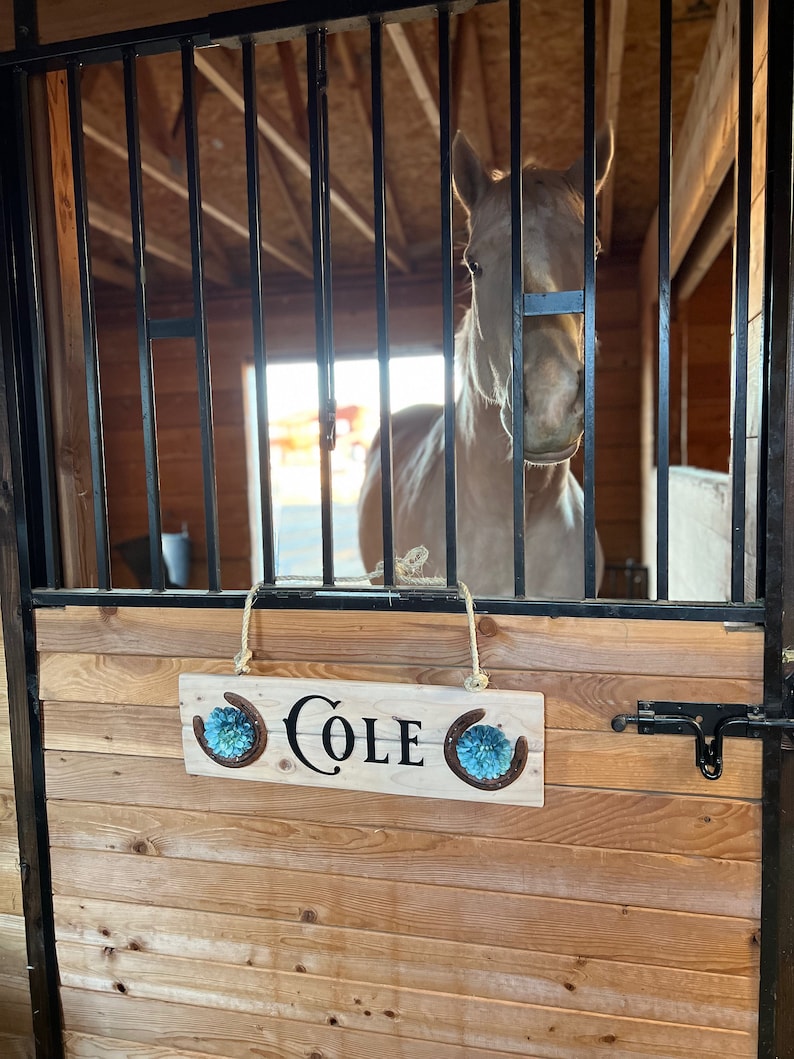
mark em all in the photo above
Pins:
pixel 546 458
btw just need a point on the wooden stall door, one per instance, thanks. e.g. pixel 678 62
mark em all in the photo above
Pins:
pixel 212 917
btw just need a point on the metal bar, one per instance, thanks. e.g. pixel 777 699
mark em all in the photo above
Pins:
pixel 663 414
pixel 744 172
pixel 199 310
pixel 317 73
pixel 554 303
pixel 257 308
pixel 447 293
pixel 589 250
pixel 176 327
pixel 776 995
pixel 382 298
pixel 517 287
pixel 96 439
pixel 145 364
pixel 42 421
pixel 18 631
pixel 414 600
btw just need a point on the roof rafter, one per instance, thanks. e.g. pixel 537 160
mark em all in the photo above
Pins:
pixel 405 42
pixel 467 65
pixel 156 165
pixel 222 73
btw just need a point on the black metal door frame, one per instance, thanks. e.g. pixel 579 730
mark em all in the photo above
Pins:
pixel 20 503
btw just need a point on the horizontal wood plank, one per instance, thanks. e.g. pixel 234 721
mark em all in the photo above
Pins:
pixel 716 944
pixel 387 1010
pixel 491 971
pixel 694 884
pixel 234 1034
pixel 602 645
pixel 650 823
pixel 102 700
pixel 88 1046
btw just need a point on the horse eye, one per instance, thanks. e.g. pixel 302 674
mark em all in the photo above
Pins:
pixel 475 268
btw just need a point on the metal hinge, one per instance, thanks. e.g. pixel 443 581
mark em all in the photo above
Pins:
pixel 709 723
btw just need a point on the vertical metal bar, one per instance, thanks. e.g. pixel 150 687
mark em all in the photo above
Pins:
pixel 663 413
pixel 16 547
pixel 145 364
pixel 317 72
pixel 447 293
pixel 36 337
pixel 382 297
pixel 96 438
pixel 776 996
pixel 517 281
pixel 200 313
pixel 257 307
pixel 590 586
pixel 744 172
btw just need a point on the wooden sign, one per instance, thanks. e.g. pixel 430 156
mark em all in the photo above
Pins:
pixel 406 739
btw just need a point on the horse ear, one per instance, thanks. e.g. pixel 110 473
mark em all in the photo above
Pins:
pixel 604 150
pixel 471 179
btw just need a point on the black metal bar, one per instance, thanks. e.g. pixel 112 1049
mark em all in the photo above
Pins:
pixel 96 439
pixel 26 24
pixel 554 303
pixel 589 250
pixel 145 363
pixel 382 298
pixel 42 422
pixel 663 396
pixel 175 327
pixel 744 174
pixel 447 294
pixel 317 73
pixel 517 287
pixel 265 22
pixel 776 995
pixel 199 310
pixel 415 600
pixel 16 548
pixel 257 308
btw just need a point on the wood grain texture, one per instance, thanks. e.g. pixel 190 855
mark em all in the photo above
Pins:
pixel 235 1034
pixel 389 1011
pixel 603 645
pixel 493 971
pixel 715 944
pixel 693 884
pixel 652 823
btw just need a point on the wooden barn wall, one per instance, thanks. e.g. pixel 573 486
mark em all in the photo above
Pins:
pixel 16 1026
pixel 215 917
pixel 415 319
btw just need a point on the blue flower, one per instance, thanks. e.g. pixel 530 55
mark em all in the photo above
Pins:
pixel 228 732
pixel 484 752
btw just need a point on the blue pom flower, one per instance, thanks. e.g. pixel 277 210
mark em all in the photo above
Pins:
pixel 228 732
pixel 484 752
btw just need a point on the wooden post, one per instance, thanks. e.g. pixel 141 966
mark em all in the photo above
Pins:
pixel 60 281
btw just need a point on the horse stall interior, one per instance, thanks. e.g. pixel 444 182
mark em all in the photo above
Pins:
pixel 230 239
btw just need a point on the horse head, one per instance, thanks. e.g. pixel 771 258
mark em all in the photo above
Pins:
pixel 553 214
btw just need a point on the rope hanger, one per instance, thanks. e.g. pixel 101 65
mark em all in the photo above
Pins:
pixel 408 571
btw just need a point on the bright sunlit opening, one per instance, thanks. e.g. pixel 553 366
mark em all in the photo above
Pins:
pixel 295 454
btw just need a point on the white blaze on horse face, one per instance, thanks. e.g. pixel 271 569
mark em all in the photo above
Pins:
pixel 553 261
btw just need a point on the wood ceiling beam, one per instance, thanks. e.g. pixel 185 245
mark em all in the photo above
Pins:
pixel 297 100
pixel 616 41
pixel 118 227
pixel 222 72
pixel 151 113
pixel 110 272
pixel 104 132
pixel 405 42
pixel 362 102
pixel 467 67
